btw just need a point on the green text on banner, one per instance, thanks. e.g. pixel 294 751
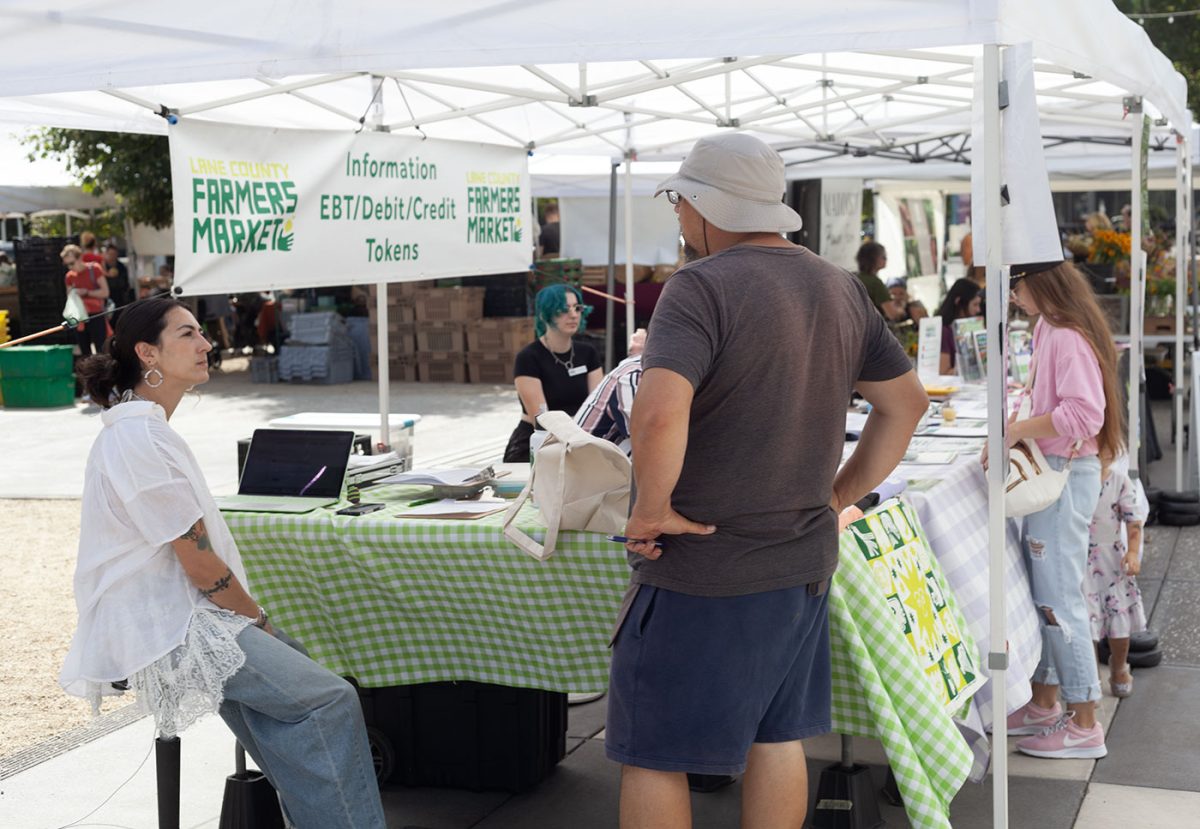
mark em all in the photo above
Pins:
pixel 263 208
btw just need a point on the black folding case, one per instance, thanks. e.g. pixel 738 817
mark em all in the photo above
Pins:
pixel 469 735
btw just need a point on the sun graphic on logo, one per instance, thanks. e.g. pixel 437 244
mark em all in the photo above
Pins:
pixel 287 226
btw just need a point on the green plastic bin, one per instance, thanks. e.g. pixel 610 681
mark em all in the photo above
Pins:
pixel 36 361
pixel 37 392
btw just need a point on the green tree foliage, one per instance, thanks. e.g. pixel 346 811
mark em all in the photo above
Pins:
pixel 135 168
pixel 1178 39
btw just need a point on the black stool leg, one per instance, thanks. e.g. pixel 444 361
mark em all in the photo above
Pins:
pixel 166 761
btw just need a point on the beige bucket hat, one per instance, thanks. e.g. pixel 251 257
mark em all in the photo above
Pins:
pixel 736 182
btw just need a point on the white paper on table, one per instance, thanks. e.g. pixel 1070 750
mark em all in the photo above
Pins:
pixel 976 409
pixel 449 506
pixel 433 477
pixel 930 457
pixel 359 461
pixel 957 432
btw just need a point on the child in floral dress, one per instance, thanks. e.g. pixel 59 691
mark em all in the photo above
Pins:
pixel 1114 600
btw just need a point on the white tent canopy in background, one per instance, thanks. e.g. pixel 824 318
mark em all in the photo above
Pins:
pixel 838 82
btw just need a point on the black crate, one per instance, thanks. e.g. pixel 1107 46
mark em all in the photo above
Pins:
pixel 41 290
pixel 507 295
pixel 466 735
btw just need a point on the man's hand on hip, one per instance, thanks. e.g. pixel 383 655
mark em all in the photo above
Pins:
pixel 647 528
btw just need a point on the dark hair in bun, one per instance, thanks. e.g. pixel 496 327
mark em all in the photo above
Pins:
pixel 105 376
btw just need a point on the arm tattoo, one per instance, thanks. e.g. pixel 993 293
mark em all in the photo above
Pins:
pixel 197 533
pixel 219 585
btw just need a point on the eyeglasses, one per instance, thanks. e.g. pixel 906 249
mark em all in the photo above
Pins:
pixel 673 196
pixel 578 309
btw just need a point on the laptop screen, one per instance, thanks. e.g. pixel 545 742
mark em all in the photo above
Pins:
pixel 296 462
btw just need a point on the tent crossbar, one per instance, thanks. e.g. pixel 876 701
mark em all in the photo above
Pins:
pixel 573 95
pixel 516 139
pixel 683 77
pixel 282 88
pixel 658 113
pixel 493 106
pixel 584 130
pixel 912 119
pixel 939 80
pixel 683 90
pixel 122 95
pixel 509 91
pixel 655 70
pixel 576 134
pixel 309 99
pixel 782 101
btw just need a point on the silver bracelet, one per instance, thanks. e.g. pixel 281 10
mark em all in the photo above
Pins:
pixel 261 620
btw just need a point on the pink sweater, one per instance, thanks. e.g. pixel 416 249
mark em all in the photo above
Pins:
pixel 1068 385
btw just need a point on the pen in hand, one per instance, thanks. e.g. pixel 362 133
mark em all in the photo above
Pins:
pixel 620 539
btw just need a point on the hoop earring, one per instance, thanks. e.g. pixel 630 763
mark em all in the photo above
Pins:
pixel 146 377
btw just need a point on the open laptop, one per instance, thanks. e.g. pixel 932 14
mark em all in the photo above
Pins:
pixel 291 470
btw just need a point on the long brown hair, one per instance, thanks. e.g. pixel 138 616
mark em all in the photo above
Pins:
pixel 1065 300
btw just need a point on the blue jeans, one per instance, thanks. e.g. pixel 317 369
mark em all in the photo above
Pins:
pixel 304 727
pixel 1055 542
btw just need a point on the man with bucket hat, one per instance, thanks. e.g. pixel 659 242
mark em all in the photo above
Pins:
pixel 721 653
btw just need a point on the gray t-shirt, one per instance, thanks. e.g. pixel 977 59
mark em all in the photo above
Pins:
pixel 773 341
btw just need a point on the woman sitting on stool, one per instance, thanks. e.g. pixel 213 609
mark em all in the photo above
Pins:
pixel 162 594
pixel 553 373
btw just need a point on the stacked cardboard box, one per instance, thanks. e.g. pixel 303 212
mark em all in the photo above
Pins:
pixel 402 330
pixel 492 346
pixel 442 317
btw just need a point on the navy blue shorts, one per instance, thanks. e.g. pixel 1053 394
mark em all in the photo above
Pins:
pixel 696 680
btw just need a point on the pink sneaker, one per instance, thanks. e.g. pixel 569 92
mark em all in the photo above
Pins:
pixel 1032 719
pixel 1065 739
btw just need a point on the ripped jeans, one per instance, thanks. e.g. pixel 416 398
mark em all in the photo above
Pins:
pixel 1055 543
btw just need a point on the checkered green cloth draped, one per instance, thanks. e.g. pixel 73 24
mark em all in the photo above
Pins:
pixel 404 601
pixel 891 681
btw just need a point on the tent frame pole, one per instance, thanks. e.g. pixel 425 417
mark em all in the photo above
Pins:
pixel 997 295
pixel 1137 289
pixel 610 282
pixel 629 299
pixel 1183 209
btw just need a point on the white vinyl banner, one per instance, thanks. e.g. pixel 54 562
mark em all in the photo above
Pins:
pixel 257 208
pixel 841 220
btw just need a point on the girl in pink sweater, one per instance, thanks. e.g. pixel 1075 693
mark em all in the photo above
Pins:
pixel 1075 415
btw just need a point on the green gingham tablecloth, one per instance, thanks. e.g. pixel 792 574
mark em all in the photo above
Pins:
pixel 901 675
pixel 404 601
pixel 393 601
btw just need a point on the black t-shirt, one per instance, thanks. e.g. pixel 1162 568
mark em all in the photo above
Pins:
pixel 563 392
pixel 549 240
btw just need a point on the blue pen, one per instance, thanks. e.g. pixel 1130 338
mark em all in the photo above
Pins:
pixel 620 539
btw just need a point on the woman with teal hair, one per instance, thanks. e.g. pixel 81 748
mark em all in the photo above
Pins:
pixel 553 373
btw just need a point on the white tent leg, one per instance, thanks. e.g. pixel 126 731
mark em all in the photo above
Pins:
pixel 1137 292
pixel 610 280
pixel 1183 210
pixel 375 119
pixel 629 318
pixel 997 295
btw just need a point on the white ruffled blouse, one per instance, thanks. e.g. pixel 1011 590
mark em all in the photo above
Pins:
pixel 140 617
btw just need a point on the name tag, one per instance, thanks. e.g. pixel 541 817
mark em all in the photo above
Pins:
pixel 575 372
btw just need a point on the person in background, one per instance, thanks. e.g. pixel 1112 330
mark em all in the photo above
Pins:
pixel 163 602
pixel 553 373
pixel 117 275
pixel 872 258
pixel 916 311
pixel 1076 415
pixel 91 250
pixel 1114 561
pixel 964 299
pixel 160 284
pixel 87 279
pixel 607 410
pixel 549 240
pixel 8 271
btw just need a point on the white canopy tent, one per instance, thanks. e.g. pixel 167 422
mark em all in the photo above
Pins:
pixel 639 81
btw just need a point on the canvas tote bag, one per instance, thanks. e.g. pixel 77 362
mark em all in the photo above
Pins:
pixel 579 482
pixel 1032 484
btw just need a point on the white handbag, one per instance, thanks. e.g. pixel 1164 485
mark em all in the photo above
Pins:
pixel 578 482
pixel 1032 484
